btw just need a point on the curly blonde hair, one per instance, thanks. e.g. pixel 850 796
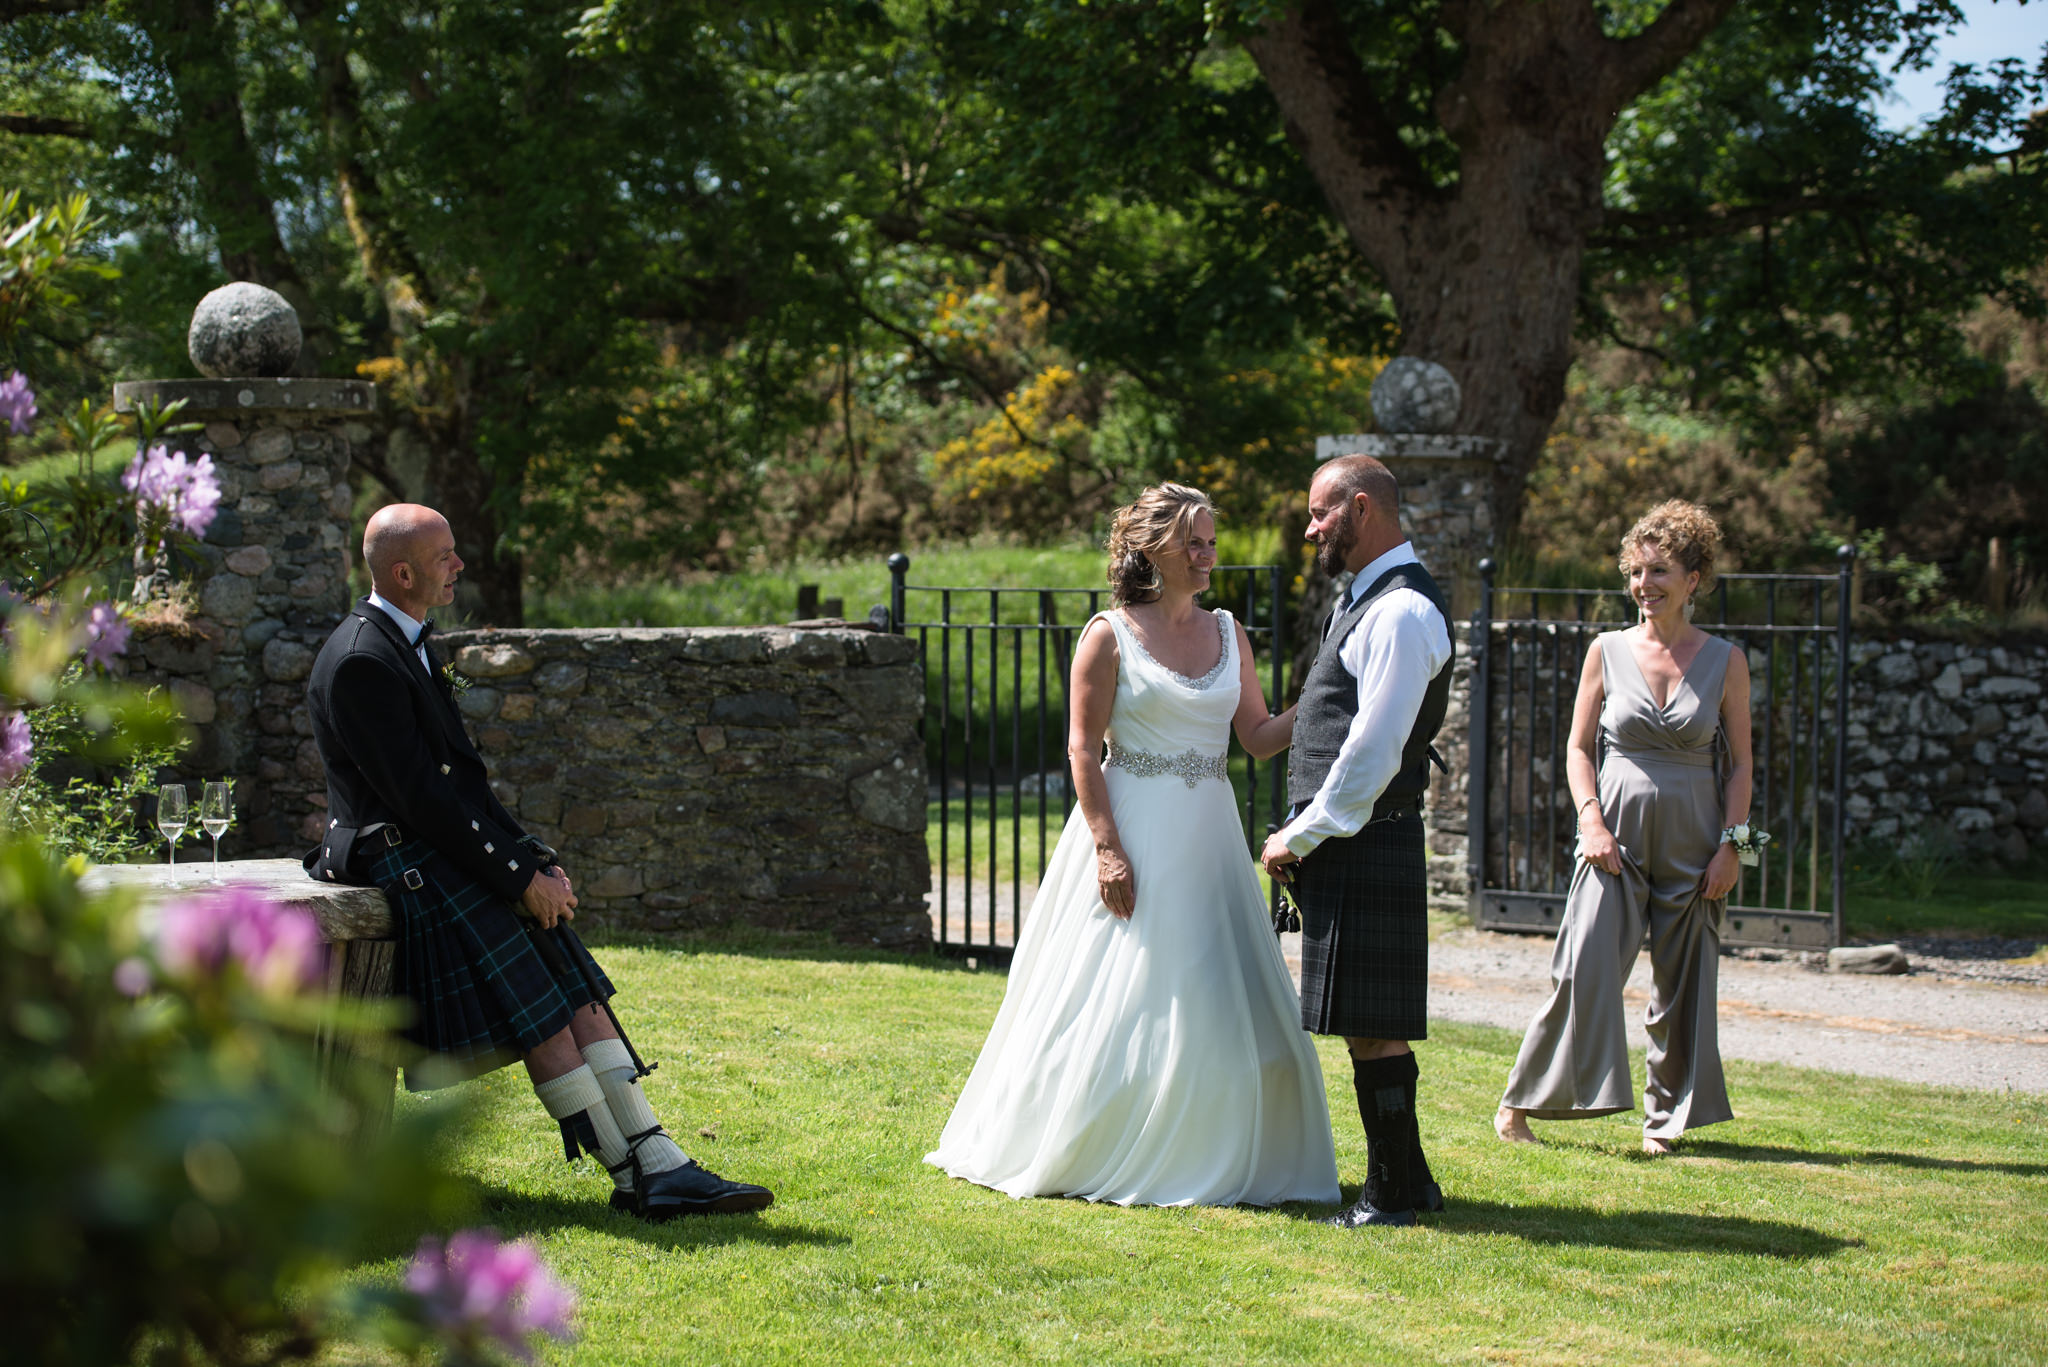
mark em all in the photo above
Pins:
pixel 1157 519
pixel 1684 531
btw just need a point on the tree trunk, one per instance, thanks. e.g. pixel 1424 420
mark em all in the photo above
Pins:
pixel 1484 271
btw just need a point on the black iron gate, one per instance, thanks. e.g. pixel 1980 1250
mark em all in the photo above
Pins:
pixel 995 729
pixel 1525 674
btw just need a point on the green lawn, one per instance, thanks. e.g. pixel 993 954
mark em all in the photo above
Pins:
pixel 1838 1221
pixel 1975 898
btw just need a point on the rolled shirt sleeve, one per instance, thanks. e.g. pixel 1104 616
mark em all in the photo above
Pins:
pixel 1394 651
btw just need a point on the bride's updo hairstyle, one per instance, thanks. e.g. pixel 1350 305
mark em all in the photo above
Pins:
pixel 1684 531
pixel 1158 519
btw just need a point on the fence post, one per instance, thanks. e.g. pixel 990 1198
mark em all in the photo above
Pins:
pixel 1478 728
pixel 899 566
pixel 1845 558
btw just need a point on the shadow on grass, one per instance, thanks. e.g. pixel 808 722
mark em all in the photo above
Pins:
pixel 516 1213
pixel 755 943
pixel 1777 1153
pixel 1648 1231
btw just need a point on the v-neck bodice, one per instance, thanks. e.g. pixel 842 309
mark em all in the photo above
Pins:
pixel 1685 726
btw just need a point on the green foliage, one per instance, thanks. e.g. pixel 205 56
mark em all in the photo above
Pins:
pixel 41 250
pixel 93 810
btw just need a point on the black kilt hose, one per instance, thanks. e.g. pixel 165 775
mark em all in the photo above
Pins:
pixel 482 994
pixel 1364 902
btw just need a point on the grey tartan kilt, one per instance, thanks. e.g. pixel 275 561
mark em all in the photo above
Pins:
pixel 1364 902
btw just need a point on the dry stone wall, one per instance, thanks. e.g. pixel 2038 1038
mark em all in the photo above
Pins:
pixel 697 778
pixel 1950 733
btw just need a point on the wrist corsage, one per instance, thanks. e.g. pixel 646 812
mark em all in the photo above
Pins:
pixel 1748 840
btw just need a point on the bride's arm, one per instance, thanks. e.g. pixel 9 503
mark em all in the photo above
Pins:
pixel 1091 697
pixel 1262 734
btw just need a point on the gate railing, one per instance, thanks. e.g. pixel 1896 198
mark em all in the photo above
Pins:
pixel 1525 675
pixel 995 728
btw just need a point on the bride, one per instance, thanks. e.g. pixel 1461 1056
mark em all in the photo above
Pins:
pixel 1149 1050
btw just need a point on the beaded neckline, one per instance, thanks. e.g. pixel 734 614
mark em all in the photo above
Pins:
pixel 1222 655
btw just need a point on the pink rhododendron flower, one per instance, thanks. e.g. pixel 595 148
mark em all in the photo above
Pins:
pixel 478 1290
pixel 106 634
pixel 17 747
pixel 277 947
pixel 17 403
pixel 187 491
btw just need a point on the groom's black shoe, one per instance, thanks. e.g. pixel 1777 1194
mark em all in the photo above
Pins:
pixel 688 1190
pixel 1364 1212
pixel 1429 1199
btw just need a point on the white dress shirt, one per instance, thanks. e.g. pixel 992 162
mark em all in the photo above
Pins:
pixel 408 625
pixel 1393 652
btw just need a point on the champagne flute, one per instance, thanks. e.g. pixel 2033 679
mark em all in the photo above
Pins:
pixel 216 813
pixel 170 819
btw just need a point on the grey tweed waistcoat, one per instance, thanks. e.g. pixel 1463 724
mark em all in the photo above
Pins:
pixel 1329 702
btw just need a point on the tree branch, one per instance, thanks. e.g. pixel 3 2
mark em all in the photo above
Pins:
pixel 1334 115
pixel 1635 64
pixel 1665 229
pixel 39 126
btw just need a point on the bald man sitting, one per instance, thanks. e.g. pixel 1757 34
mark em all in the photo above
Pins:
pixel 481 908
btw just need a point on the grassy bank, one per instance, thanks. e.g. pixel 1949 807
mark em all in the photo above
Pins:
pixel 1838 1220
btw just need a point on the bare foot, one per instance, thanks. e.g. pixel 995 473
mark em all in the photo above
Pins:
pixel 1512 1126
pixel 1658 1148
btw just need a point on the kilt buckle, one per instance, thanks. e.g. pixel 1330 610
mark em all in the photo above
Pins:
pixel 414 879
pixel 392 837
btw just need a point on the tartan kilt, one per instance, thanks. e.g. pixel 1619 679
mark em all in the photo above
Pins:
pixel 482 994
pixel 1364 902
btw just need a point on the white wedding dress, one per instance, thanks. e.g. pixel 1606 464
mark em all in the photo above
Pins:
pixel 1157 1060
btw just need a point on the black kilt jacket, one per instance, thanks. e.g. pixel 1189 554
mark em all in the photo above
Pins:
pixel 396 751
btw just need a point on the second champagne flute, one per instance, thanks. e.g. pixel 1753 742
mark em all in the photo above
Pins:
pixel 170 819
pixel 216 813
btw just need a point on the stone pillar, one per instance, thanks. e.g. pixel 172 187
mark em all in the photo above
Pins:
pixel 272 583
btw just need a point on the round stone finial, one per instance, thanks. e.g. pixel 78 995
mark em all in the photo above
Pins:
pixel 244 330
pixel 1414 395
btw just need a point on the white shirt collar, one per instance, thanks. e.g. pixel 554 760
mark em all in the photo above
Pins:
pixel 409 625
pixel 1403 554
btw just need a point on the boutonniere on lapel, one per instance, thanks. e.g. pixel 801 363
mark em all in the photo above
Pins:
pixel 453 681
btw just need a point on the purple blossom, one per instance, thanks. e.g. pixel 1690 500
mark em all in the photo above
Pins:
pixel 106 635
pixel 277 947
pixel 188 492
pixel 17 403
pixel 17 747
pixel 131 977
pixel 478 1290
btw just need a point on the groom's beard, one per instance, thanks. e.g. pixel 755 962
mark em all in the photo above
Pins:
pixel 1336 547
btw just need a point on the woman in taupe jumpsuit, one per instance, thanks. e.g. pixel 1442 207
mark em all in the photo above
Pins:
pixel 1659 767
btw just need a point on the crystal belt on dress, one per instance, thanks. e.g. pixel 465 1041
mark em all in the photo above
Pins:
pixel 1190 766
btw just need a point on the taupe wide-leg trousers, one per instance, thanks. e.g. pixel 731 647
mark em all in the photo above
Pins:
pixel 1664 810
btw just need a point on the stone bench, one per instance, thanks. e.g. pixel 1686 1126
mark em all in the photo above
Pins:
pixel 355 923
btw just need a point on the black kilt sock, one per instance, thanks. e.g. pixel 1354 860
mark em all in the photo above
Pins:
pixel 1386 1095
pixel 1418 1166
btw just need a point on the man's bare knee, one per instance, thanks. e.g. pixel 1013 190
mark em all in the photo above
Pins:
pixel 590 1024
pixel 554 1056
pixel 1369 1049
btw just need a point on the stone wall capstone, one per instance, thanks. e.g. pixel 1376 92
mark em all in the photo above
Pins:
pixel 702 777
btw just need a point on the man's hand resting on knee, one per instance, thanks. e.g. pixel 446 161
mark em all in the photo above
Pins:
pixel 548 898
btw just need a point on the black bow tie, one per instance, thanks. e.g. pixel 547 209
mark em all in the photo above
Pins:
pixel 426 630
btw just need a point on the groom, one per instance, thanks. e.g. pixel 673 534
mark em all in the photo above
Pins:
pixel 480 908
pixel 1352 850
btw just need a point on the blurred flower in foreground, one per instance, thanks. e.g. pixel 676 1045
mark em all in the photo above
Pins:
pixel 16 747
pixel 277 947
pixel 106 635
pixel 188 492
pixel 17 403
pixel 478 1291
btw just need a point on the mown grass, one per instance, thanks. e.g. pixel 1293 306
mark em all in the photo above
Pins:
pixel 1839 1220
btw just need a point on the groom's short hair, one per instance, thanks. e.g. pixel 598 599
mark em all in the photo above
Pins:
pixel 1364 475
